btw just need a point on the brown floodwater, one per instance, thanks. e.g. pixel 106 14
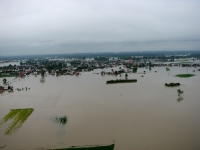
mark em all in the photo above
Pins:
pixel 84 110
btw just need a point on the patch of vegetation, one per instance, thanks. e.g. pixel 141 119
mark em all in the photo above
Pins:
pixel 108 147
pixel 167 69
pixel 101 58
pixel 172 84
pixel 4 81
pixel 126 76
pixel 185 75
pixel 3 76
pixel 60 120
pixel 179 91
pixel 121 81
pixel 1 147
pixel 135 69
pixel 16 117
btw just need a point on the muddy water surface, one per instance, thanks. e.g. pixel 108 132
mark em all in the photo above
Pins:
pixel 83 110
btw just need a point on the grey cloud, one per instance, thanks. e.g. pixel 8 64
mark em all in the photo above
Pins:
pixel 67 26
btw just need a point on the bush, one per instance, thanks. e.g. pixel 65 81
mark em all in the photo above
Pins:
pixel 172 84
pixel 121 81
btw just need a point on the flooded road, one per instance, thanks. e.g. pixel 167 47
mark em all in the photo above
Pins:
pixel 83 110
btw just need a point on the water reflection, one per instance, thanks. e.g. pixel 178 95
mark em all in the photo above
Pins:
pixel 42 80
pixel 179 99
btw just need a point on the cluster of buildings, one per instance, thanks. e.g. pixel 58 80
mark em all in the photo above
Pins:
pixel 75 66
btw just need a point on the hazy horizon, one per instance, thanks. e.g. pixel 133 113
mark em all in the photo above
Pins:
pixel 104 54
pixel 73 26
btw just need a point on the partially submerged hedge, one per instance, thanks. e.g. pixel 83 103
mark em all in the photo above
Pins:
pixel 121 81
pixel 172 84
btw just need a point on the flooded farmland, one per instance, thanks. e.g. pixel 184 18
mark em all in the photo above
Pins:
pixel 84 111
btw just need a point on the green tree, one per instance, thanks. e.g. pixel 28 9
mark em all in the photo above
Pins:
pixel 179 92
pixel 4 81
pixel 42 72
pixel 167 69
pixel 135 69
pixel 126 75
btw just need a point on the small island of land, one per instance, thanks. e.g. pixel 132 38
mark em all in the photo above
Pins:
pixel 3 76
pixel 185 75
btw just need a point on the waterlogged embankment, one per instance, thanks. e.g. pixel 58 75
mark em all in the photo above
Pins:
pixel 107 147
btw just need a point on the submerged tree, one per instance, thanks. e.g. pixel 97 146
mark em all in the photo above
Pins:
pixel 135 69
pixel 179 92
pixel 42 72
pixel 4 81
pixel 126 75
pixel 180 98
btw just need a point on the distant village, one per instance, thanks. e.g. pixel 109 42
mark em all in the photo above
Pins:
pixel 75 66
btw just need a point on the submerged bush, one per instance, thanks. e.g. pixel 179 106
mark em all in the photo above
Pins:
pixel 179 91
pixel 121 81
pixel 167 69
pixel 60 120
pixel 172 84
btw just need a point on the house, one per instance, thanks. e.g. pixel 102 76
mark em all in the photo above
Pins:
pixel 22 74
pixel 76 73
pixel 129 61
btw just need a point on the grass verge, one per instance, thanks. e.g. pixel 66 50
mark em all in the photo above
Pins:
pixel 3 76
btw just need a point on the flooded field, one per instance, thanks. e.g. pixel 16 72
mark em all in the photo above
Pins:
pixel 83 111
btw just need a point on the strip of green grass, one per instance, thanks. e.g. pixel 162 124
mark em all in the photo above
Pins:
pixel 185 75
pixel 3 76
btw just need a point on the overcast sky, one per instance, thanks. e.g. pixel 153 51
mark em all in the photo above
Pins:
pixel 72 26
